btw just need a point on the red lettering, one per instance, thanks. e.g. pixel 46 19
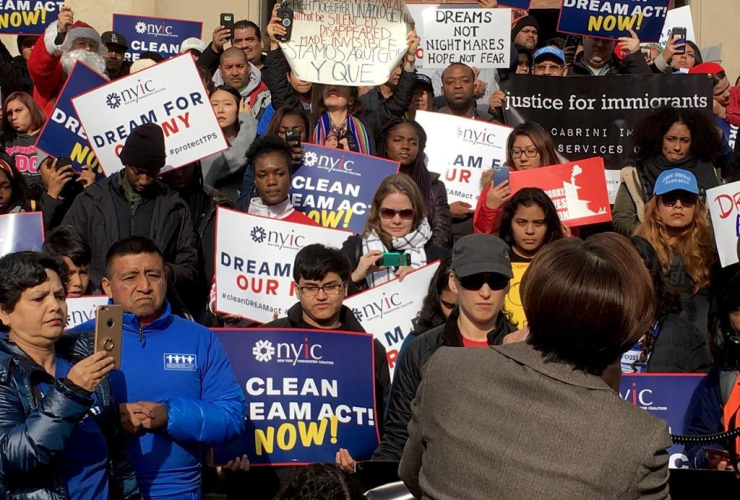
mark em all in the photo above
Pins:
pixel 725 209
pixel 392 358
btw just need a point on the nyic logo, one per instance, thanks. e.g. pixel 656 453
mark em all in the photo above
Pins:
pixel 324 162
pixel 265 351
pixel 644 398
pixel 141 90
pixel 277 239
pixel 155 30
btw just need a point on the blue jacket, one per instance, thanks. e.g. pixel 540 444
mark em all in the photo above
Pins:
pixel 182 365
pixel 34 431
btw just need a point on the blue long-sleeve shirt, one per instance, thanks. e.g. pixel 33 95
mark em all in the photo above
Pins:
pixel 182 365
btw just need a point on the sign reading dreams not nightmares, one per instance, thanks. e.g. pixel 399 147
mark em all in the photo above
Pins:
pixel 347 42
pixel 596 115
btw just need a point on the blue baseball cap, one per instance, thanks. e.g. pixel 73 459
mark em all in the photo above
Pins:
pixel 549 50
pixel 674 180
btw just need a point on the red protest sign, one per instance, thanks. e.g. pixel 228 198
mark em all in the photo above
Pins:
pixel 578 189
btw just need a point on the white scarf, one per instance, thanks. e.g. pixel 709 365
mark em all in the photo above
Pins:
pixel 279 211
pixel 412 244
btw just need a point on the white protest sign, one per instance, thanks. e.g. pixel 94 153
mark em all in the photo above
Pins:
pixel 460 150
pixel 82 309
pixel 254 262
pixel 678 18
pixel 356 43
pixel 170 94
pixel 724 207
pixel 613 181
pixel 476 37
pixel 389 311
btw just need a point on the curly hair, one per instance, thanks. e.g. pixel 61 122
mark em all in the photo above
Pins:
pixel 322 482
pixel 694 247
pixel 706 140
pixel 526 198
pixel 396 183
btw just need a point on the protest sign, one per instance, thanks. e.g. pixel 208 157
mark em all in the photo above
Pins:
pixel 389 311
pixel 577 189
pixel 513 301
pixel 613 18
pixel 170 94
pixel 613 181
pixel 19 232
pixel 672 397
pixel 596 115
pixel 336 187
pixel 254 262
pixel 62 134
pixel 724 207
pixel 28 17
pixel 476 37
pixel 82 309
pixel 461 159
pixel 678 18
pixel 310 392
pixel 154 34
pixel 347 43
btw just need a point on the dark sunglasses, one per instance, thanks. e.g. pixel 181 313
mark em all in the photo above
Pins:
pixel 389 213
pixel 476 281
pixel 670 199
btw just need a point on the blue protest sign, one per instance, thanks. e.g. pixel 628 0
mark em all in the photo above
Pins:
pixel 62 134
pixel 28 17
pixel 614 18
pixel 154 34
pixel 336 187
pixel 18 232
pixel 308 393
pixel 515 4
pixel 670 396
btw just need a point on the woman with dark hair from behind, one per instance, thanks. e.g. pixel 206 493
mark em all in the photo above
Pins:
pixel 404 141
pixel 673 345
pixel 323 482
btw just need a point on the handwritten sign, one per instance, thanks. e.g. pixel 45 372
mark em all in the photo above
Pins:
pixel 389 311
pixel 476 37
pixel 254 262
pixel 460 150
pixel 170 94
pixel 82 309
pixel 310 392
pixel 724 207
pixel 27 17
pixel 154 34
pixel 613 18
pixel 20 232
pixel 356 43
pixel 336 187
pixel 577 189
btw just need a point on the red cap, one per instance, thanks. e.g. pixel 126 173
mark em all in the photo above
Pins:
pixel 710 68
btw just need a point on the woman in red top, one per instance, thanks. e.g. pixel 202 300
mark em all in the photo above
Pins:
pixel 529 146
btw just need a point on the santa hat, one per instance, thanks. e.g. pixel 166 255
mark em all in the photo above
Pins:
pixel 79 29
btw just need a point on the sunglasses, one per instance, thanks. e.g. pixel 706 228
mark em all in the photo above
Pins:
pixel 389 213
pixel 476 281
pixel 686 199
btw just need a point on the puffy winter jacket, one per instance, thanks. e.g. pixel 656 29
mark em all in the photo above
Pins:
pixel 34 430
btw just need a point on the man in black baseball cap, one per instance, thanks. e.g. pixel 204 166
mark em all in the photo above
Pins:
pixel 423 99
pixel 115 63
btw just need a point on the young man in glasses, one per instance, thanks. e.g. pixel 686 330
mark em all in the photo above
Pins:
pixel 479 274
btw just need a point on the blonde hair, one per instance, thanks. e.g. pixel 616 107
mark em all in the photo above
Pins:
pixel 695 247
pixel 396 183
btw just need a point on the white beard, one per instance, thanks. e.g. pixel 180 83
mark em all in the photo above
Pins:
pixel 92 59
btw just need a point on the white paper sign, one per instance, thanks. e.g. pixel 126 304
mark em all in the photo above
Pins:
pixel 678 18
pixel 724 207
pixel 613 181
pixel 476 37
pixel 82 309
pixel 389 311
pixel 170 94
pixel 355 43
pixel 460 150
pixel 254 262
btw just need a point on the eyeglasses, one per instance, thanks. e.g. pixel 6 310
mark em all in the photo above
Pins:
pixel 313 290
pixel 670 199
pixel 476 281
pixel 389 213
pixel 530 152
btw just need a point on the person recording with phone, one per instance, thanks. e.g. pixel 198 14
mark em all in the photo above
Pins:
pixel 62 184
pixel 397 237
pixel 60 428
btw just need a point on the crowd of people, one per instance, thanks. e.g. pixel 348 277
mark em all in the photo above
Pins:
pixel 646 296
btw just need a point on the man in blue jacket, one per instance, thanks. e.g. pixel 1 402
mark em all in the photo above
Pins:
pixel 176 388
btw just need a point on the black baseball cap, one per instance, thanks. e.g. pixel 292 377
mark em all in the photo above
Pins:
pixel 423 80
pixel 481 253
pixel 114 38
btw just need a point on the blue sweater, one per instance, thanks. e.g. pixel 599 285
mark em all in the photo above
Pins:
pixel 182 365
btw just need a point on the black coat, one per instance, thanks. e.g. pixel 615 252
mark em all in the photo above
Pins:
pixel 442 227
pixel 633 64
pixel 679 348
pixel 34 431
pixel 408 377
pixel 14 75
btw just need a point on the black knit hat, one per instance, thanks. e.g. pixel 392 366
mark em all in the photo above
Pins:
pixel 523 23
pixel 144 148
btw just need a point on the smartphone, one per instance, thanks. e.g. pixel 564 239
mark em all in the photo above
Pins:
pixel 394 259
pixel 500 174
pixel 293 136
pixel 681 32
pixel 285 14
pixel 108 331
pixel 571 41
pixel 62 162
pixel 227 21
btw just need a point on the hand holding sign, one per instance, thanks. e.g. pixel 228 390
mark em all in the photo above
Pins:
pixel 66 19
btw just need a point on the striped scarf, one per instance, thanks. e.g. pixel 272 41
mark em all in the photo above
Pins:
pixel 356 129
